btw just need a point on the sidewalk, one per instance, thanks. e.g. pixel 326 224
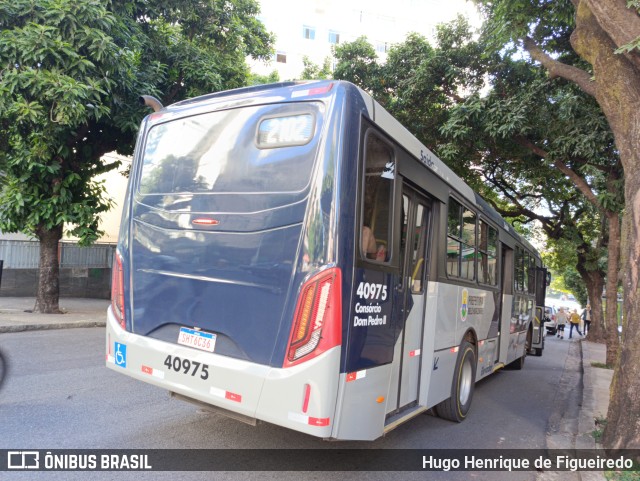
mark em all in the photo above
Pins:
pixel 595 400
pixel 78 312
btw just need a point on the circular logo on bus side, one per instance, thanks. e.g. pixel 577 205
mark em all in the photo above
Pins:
pixel 464 308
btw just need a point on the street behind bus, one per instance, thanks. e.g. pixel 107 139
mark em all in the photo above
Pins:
pixel 59 395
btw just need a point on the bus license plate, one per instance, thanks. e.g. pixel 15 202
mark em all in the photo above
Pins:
pixel 205 341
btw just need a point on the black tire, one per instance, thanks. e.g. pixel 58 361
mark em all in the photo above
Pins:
pixel 3 370
pixel 538 350
pixel 457 406
pixel 518 364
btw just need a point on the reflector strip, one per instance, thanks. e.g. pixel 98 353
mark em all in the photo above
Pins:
pixel 319 421
pixel 152 372
pixel 454 349
pixel 354 376
pixel 221 393
pixel 205 221
pixel 415 353
pixel 311 421
pixel 307 396
pixel 313 91
pixel 231 396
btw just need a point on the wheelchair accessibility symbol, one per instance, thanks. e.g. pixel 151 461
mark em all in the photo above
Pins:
pixel 120 356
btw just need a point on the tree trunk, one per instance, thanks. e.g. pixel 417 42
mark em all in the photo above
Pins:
pixel 618 93
pixel 594 290
pixel 613 269
pixel 49 269
pixel 623 426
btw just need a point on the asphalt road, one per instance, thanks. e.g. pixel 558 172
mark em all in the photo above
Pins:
pixel 58 395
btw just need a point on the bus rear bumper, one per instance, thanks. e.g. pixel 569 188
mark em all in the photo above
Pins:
pixel 301 397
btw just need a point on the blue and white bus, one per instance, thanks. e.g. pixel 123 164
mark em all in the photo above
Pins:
pixel 290 253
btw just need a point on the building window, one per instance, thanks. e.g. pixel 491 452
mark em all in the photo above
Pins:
pixel 334 37
pixel 382 47
pixel 308 32
pixel 281 57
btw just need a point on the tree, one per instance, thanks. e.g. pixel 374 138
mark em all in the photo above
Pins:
pixel 70 74
pixel 605 36
pixel 358 63
pixel 312 71
pixel 502 135
pixel 539 142
pixel 255 79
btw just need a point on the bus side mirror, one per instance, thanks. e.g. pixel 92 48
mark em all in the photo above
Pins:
pixel 548 279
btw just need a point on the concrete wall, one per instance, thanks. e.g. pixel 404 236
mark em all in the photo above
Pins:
pixel 92 282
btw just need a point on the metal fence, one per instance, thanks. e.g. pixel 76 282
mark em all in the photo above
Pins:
pixel 26 254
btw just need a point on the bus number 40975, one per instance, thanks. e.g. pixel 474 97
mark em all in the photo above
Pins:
pixel 178 364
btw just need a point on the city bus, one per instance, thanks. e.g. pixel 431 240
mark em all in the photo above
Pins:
pixel 291 254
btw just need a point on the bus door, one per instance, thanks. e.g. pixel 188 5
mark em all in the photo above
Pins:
pixel 537 341
pixel 414 236
pixel 506 303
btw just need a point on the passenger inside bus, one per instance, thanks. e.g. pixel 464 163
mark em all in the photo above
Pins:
pixel 378 191
pixel 369 246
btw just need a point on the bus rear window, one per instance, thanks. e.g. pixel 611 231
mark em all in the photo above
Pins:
pixel 221 152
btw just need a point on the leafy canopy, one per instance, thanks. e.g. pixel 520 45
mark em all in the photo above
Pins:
pixel 70 75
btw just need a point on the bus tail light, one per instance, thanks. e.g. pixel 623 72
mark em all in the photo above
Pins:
pixel 317 325
pixel 117 289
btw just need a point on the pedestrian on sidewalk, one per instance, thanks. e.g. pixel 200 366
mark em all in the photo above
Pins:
pixel 586 317
pixel 574 320
pixel 561 320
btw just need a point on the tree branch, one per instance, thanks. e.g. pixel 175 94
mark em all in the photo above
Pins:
pixel 577 180
pixel 558 69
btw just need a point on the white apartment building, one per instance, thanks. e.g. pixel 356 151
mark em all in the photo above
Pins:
pixel 311 27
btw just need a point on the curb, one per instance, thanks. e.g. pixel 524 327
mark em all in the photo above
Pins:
pixel 586 420
pixel 54 325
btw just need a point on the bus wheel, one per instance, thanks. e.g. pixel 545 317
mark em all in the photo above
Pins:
pixel 457 406
pixel 529 341
pixel 518 364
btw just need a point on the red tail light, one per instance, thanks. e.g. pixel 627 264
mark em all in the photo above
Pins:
pixel 317 325
pixel 117 289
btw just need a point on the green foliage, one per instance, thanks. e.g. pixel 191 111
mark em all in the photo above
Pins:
pixel 548 22
pixel 601 365
pixel 70 75
pixel 56 57
pixel 255 79
pixel 418 83
pixel 623 475
pixel 597 433
pixel 503 125
pixel 312 71
pixel 576 284
pixel 357 63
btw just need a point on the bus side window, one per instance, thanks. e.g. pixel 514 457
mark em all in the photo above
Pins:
pixel 379 175
pixel 419 249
